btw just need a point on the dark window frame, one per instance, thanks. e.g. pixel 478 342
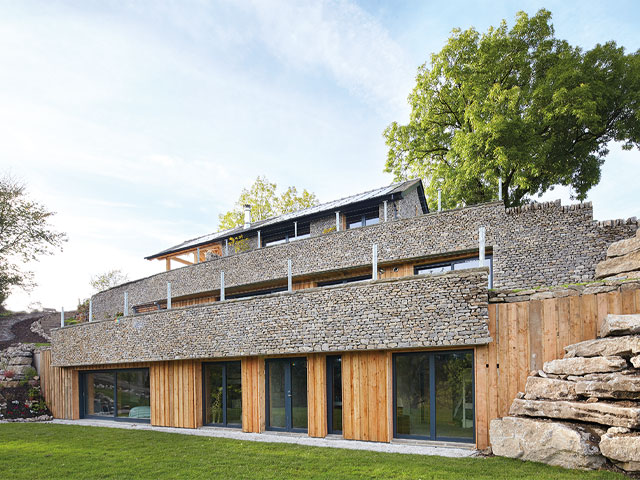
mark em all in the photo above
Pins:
pixel 82 384
pixel 360 219
pixel 330 396
pixel 452 263
pixel 342 281
pixel 286 236
pixel 224 423
pixel 432 397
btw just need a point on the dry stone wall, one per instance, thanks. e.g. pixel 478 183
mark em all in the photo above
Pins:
pixel 542 244
pixel 443 310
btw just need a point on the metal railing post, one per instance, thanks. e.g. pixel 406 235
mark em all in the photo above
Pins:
pixel 374 262
pixel 337 221
pixel 62 316
pixel 222 286
pixel 90 310
pixel 198 253
pixel 481 244
pixel 168 295
pixel 439 200
pixel 289 280
pixel 500 189
pixel 386 202
pixel 126 304
pixel 259 240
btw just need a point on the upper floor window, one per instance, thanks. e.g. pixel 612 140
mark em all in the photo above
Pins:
pixel 287 234
pixel 344 280
pixel 461 264
pixel 363 218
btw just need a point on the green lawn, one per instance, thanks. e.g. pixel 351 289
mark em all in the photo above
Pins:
pixel 37 451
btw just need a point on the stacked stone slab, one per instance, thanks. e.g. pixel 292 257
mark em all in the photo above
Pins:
pixel 581 411
pixel 623 259
pixel 18 359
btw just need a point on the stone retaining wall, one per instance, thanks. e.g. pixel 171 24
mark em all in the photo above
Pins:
pixel 411 312
pixel 543 244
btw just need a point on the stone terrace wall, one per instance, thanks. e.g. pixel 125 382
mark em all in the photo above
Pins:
pixel 425 311
pixel 545 244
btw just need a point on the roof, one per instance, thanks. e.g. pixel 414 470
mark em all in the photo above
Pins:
pixel 378 193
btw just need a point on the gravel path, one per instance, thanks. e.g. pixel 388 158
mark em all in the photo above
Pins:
pixel 408 447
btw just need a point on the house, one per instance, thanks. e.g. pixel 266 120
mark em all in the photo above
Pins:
pixel 369 317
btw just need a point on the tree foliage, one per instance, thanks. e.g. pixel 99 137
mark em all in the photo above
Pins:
pixel 265 203
pixel 25 235
pixel 109 279
pixel 516 104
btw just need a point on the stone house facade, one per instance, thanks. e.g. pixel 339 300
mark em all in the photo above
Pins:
pixel 369 330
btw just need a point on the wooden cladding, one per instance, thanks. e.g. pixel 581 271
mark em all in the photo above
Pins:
pixel 366 396
pixel 60 388
pixel 176 393
pixel 527 334
pixel 253 399
pixel 317 395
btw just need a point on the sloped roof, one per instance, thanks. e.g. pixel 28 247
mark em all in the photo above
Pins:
pixel 334 205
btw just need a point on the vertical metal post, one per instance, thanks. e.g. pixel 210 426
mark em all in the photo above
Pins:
pixel 259 240
pixel 289 282
pixel 90 310
pixel 374 262
pixel 62 316
pixel 385 209
pixel 126 304
pixel 439 200
pixel 337 221
pixel 500 189
pixel 295 229
pixel 168 295
pixel 481 244
pixel 222 286
pixel 198 253
pixel 226 247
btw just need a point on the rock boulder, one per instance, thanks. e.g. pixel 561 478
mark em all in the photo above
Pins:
pixel 624 247
pixel 609 414
pixel 614 386
pixel 613 266
pixel 550 388
pixel 583 365
pixel 621 325
pixel 622 449
pixel 553 443
pixel 605 347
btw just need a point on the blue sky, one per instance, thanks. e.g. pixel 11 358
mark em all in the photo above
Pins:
pixel 140 122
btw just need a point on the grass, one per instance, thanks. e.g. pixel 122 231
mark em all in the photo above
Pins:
pixel 46 451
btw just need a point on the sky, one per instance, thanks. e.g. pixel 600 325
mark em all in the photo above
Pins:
pixel 139 122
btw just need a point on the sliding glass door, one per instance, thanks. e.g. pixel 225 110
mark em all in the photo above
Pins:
pixel 116 394
pixel 222 394
pixel 433 395
pixel 286 388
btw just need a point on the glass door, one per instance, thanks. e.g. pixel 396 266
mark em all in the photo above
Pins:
pixel 286 389
pixel 334 394
pixel 222 394
pixel 433 395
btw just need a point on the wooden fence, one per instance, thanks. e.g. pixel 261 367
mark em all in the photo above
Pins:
pixel 527 334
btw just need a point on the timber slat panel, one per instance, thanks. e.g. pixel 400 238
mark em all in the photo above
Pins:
pixel 365 398
pixel 253 400
pixel 317 395
pixel 527 334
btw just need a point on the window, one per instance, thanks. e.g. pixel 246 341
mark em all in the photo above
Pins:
pixel 344 280
pixel 433 395
pixel 256 293
pixel 286 234
pixel 116 394
pixel 222 394
pixel 363 218
pixel 462 264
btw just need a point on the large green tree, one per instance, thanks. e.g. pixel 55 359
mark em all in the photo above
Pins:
pixel 265 203
pixel 516 104
pixel 25 235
